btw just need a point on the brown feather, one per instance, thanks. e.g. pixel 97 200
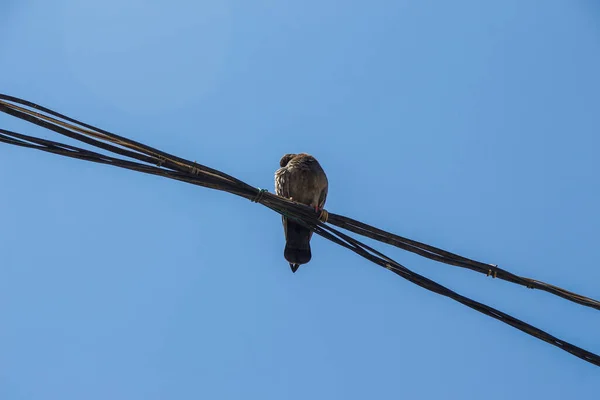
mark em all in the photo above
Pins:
pixel 301 179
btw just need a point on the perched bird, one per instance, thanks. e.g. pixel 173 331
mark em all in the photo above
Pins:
pixel 300 179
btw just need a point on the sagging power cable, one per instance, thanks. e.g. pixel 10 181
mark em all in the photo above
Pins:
pixel 156 162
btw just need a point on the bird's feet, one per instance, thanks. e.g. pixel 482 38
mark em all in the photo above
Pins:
pixel 323 214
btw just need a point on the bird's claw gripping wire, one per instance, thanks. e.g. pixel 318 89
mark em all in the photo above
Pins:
pixel 323 215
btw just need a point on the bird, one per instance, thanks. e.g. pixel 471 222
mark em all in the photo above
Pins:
pixel 301 179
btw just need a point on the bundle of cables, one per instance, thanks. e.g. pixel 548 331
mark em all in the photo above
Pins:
pixel 133 155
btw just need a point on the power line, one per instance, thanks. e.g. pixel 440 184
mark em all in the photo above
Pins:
pixel 156 162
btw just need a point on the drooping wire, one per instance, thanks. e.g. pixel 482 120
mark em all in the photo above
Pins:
pixel 156 162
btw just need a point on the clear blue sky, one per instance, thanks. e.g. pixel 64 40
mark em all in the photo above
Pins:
pixel 470 126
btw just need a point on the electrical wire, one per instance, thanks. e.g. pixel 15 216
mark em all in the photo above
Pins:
pixel 153 161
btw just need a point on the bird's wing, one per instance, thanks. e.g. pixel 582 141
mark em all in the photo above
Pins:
pixel 282 184
pixel 323 197
pixel 282 188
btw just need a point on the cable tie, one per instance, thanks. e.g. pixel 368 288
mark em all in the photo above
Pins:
pixel 494 273
pixel 259 195
pixel 195 170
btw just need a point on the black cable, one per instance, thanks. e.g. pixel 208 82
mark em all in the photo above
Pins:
pixel 155 162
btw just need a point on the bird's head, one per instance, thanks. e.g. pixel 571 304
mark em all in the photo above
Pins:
pixel 286 159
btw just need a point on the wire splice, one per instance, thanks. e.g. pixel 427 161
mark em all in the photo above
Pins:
pixel 259 195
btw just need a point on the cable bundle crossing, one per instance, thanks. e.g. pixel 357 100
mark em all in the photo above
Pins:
pixel 136 156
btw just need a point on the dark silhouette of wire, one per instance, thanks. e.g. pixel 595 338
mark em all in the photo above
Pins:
pixel 156 162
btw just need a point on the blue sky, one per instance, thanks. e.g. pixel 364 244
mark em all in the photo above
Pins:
pixel 469 125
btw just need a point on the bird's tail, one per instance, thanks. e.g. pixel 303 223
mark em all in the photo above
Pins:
pixel 297 244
